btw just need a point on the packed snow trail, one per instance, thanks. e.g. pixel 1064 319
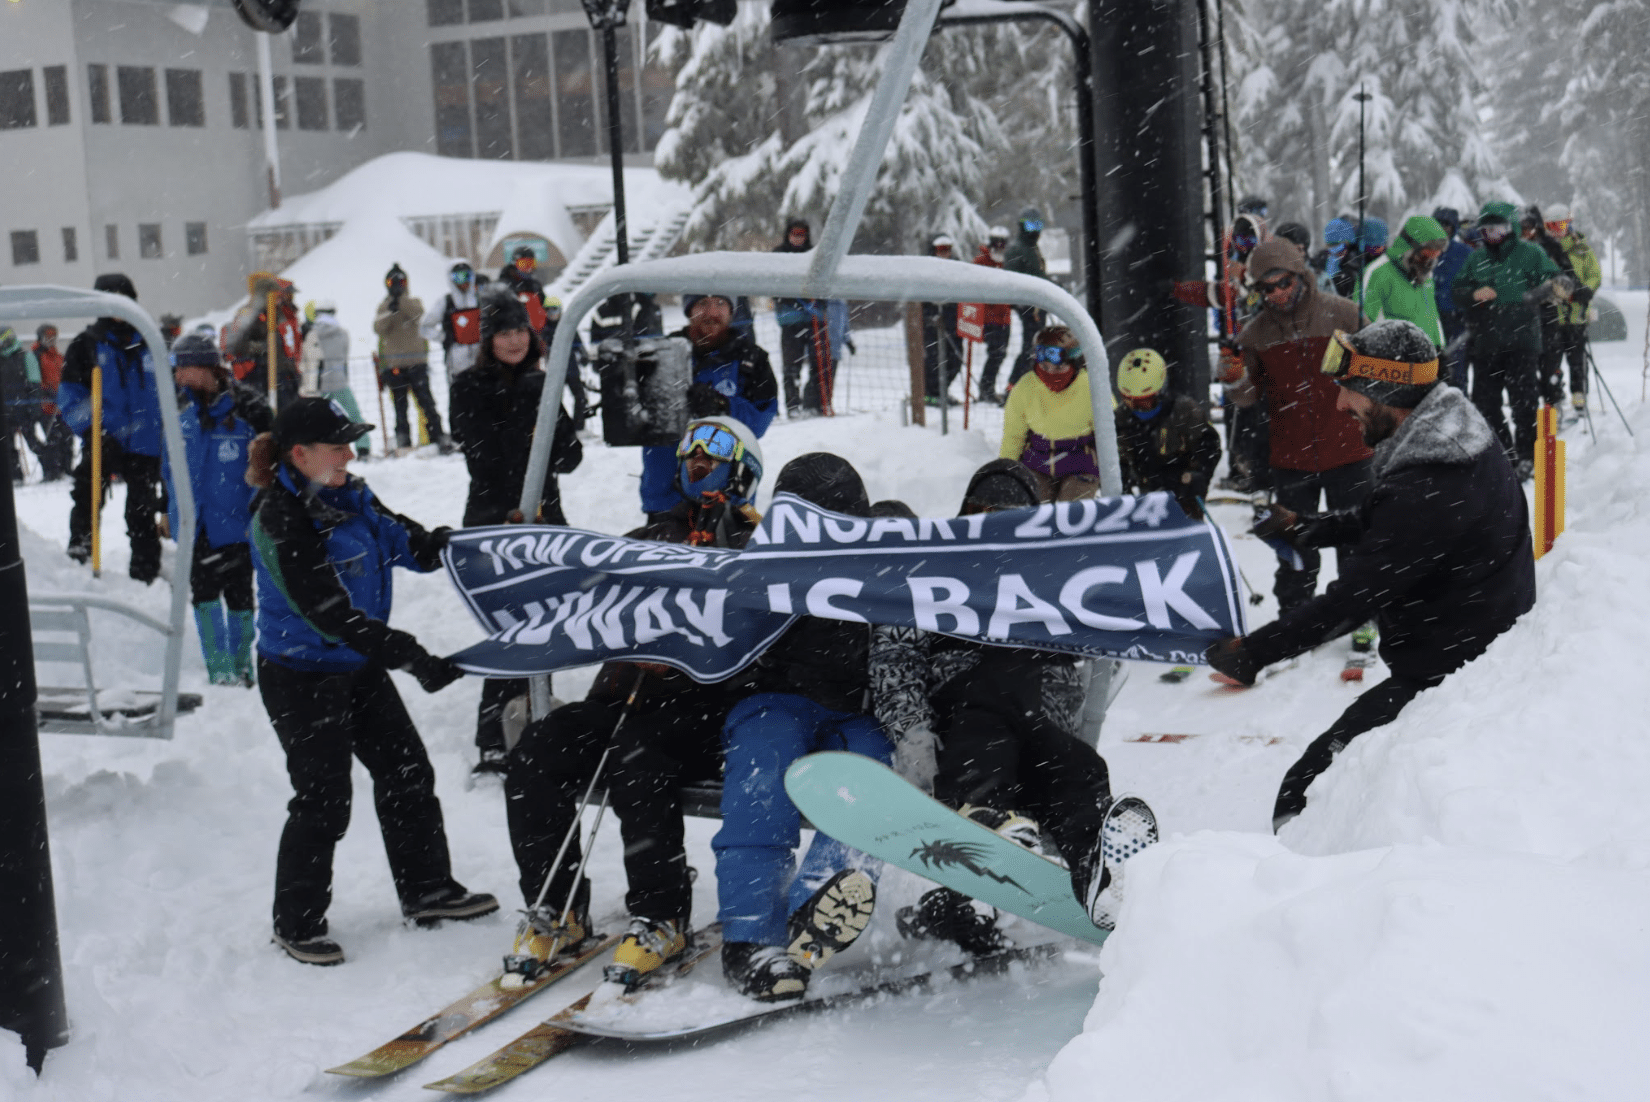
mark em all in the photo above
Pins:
pixel 1516 793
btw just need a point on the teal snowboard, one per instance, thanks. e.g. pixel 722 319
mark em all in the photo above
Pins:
pixel 864 804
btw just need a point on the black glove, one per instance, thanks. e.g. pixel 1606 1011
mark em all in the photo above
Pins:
pixel 1276 522
pixel 439 538
pixel 1229 658
pixel 433 672
pixel 705 400
pixel 1582 296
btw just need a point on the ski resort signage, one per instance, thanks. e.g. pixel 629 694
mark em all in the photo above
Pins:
pixel 1126 577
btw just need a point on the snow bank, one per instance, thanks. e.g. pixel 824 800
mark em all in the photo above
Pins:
pixel 1459 913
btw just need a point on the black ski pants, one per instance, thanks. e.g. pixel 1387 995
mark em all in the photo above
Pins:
pixel 496 692
pixel 416 381
pixel 1000 750
pixel 1249 443
pixel 807 343
pixel 1514 372
pixel 996 350
pixel 323 721
pixel 224 572
pixel 141 473
pixel 941 351
pixel 1572 345
pixel 1343 488
pixel 676 740
pixel 1375 708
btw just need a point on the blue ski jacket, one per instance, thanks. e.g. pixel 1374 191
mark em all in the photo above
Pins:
pixel 131 404
pixel 217 434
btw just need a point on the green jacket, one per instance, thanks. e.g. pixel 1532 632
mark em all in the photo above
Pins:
pixel 1505 323
pixel 1390 293
pixel 1587 269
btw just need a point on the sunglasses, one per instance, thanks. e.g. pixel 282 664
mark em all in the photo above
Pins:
pixel 712 440
pixel 1272 287
pixel 1053 354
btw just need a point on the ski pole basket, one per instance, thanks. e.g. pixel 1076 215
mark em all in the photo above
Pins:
pixel 62 634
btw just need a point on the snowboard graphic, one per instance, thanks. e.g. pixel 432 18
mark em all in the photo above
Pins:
pixel 864 804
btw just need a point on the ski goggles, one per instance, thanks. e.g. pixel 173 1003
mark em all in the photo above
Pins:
pixel 1244 242
pixel 461 277
pixel 1341 361
pixel 1494 231
pixel 526 263
pixel 1032 225
pixel 712 440
pixel 1559 229
pixel 1054 354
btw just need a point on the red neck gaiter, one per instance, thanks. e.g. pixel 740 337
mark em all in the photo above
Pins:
pixel 1056 383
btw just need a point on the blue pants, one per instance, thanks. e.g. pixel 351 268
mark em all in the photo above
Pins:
pixel 659 479
pixel 756 882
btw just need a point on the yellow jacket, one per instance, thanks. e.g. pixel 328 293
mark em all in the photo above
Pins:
pixel 1052 433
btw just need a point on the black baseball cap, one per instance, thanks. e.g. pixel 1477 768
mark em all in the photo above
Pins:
pixel 317 421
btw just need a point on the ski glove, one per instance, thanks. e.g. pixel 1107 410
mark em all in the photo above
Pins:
pixel 433 672
pixel 1582 296
pixel 705 400
pixel 1229 658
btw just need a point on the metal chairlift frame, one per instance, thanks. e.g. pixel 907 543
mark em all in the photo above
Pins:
pixel 45 302
pixel 828 272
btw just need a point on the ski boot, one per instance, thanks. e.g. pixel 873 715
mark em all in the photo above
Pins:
pixel 765 973
pixel 1097 879
pixel 645 948
pixel 540 938
pixel 220 660
pixel 832 918
pixel 1019 829
pixel 947 915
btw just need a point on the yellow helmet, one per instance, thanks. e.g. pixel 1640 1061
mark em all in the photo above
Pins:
pixel 1142 374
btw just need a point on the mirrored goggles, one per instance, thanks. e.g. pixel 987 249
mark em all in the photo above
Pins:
pixel 712 440
pixel 461 277
pixel 1032 226
pixel 1054 354
pixel 1339 361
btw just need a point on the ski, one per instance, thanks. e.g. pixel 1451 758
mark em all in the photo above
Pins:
pixel 550 1038
pixel 742 1011
pixel 477 1008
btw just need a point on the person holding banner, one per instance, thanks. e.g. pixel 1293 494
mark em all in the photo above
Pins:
pixel 1439 553
pixel 1006 719
pixel 667 734
pixel 779 924
pixel 324 548
pixel 1048 423
pixel 494 407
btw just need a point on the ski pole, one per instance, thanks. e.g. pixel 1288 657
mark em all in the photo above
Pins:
pixel 584 802
pixel 383 420
pixel 97 471
pixel 1255 596
pixel 1599 375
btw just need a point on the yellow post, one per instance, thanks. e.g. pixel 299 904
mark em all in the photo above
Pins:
pixel 96 438
pixel 1549 481
pixel 272 341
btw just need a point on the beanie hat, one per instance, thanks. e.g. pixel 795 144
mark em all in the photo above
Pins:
pixel 1401 342
pixel 1373 233
pixel 1448 217
pixel 1339 231
pixel 502 312
pixel 115 283
pixel 196 350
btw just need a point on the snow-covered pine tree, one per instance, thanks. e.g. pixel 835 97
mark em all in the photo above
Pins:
pixel 762 132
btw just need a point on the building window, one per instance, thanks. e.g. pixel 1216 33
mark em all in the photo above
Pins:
pixel 311 93
pixel 349 104
pixel 139 104
pixel 485 11
pixel 307 48
pixel 535 123
pixel 445 13
pixel 57 94
pixel 575 94
pixel 111 241
pixel 71 246
pixel 194 238
pixel 449 73
pixel 97 87
pixel 25 247
pixel 149 241
pixel 491 75
pixel 239 116
pixel 17 102
pixel 185 106
pixel 345 34
pixel 520 8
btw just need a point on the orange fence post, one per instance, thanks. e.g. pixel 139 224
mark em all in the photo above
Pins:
pixel 1549 481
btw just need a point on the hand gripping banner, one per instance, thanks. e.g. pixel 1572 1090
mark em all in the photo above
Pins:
pixel 1126 577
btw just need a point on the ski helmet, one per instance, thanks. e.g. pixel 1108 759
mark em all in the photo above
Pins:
pixel 1142 374
pixel 943 241
pixel 396 275
pixel 1252 204
pixel 461 274
pixel 733 443
pixel 325 306
pixel 1390 361
pixel 1558 219
pixel 997 234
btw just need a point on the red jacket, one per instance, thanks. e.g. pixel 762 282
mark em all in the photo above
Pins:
pixel 994 314
pixel 51 373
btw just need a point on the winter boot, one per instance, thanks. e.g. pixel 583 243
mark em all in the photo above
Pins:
pixel 765 973
pixel 80 549
pixel 242 630
pixel 1578 401
pixel 311 950
pixel 1019 829
pixel 1097 879
pixel 646 947
pixel 831 919
pixel 450 902
pixel 220 662
pixel 947 915
pixel 494 763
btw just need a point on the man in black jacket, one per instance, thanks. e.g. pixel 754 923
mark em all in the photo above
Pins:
pixel 495 407
pixel 1439 553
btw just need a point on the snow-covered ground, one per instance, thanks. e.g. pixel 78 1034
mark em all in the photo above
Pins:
pixel 1458 914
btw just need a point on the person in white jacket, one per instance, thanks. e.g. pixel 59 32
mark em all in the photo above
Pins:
pixel 455 321
pixel 324 366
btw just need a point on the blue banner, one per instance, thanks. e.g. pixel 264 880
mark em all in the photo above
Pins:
pixel 1127 577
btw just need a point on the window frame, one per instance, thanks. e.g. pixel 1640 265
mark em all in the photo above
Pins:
pixel 71 245
pixel 18 83
pixel 98 94
pixel 195 233
pixel 55 78
pixel 25 242
pixel 145 94
pixel 191 84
